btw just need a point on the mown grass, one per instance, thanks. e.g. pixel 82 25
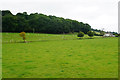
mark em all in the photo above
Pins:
pixel 55 57
pixel 14 37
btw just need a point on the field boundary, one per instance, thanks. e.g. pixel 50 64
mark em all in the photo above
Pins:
pixel 60 79
pixel 0 44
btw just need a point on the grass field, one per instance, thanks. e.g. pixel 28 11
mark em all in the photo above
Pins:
pixel 59 56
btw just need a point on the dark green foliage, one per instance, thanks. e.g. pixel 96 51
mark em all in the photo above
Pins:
pixel 116 35
pixel 102 33
pixel 6 12
pixel 41 23
pixel 98 34
pixel 80 34
pixel 95 30
pixel 90 33
pixel 9 23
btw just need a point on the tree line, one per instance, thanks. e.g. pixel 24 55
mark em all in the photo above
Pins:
pixel 40 23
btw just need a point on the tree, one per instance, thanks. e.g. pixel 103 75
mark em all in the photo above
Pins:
pixel 41 23
pixel 6 12
pixel 9 23
pixel 102 32
pixel 80 34
pixel 22 34
pixel 90 33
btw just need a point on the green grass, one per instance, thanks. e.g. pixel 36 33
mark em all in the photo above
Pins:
pixel 59 56
pixel 14 37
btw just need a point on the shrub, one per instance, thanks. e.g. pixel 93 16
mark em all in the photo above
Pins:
pixel 22 34
pixel 90 33
pixel 116 35
pixel 98 35
pixel 80 34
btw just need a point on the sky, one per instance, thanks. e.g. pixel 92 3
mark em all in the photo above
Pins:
pixel 100 14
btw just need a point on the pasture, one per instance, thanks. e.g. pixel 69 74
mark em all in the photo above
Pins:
pixel 59 56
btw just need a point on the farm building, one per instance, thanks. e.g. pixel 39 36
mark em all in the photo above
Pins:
pixel 108 35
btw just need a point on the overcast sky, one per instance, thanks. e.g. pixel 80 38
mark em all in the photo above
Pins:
pixel 98 13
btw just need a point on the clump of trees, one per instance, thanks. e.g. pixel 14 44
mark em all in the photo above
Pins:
pixel 37 22
pixel 116 34
pixel 90 34
pixel 80 34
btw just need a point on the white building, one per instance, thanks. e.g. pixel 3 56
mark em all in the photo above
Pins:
pixel 108 35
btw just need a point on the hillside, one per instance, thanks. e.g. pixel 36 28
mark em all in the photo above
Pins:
pixel 41 23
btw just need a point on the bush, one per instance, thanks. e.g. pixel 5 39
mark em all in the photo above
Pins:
pixel 90 33
pixel 22 34
pixel 80 34
pixel 116 35
pixel 98 35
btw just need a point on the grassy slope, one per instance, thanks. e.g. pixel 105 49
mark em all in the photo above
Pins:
pixel 14 37
pixel 48 58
